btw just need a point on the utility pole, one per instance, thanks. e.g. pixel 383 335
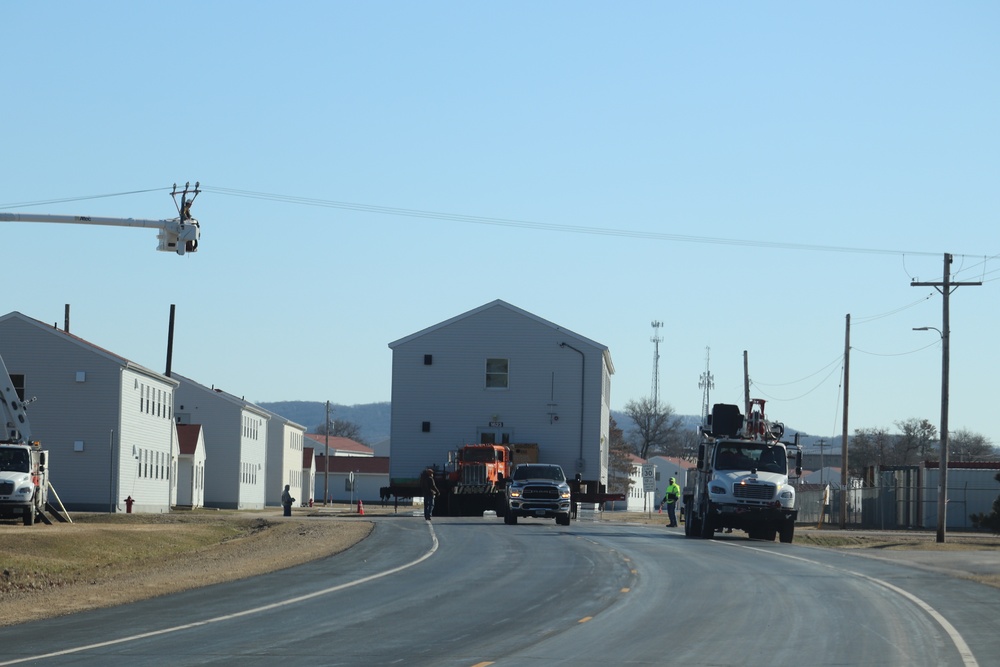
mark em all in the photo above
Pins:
pixel 326 458
pixel 844 476
pixel 707 383
pixel 945 287
pixel 746 384
pixel 655 340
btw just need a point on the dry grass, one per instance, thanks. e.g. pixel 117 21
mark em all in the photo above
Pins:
pixel 105 560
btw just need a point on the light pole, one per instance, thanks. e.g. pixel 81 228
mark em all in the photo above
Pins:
pixel 943 478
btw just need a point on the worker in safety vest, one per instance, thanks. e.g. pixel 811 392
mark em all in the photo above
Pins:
pixel 670 498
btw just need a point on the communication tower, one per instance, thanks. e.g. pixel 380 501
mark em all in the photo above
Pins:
pixel 656 324
pixel 706 383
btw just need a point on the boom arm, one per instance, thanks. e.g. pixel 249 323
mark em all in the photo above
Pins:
pixel 178 235
pixel 17 427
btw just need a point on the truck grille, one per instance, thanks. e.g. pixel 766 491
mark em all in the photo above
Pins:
pixel 541 492
pixel 754 491
pixel 474 474
pixel 6 488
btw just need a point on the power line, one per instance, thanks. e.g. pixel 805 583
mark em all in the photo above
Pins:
pixel 46 202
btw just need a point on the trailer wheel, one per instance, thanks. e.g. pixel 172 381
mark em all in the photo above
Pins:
pixel 787 531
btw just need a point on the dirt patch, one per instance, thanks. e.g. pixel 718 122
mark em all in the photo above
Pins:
pixel 107 560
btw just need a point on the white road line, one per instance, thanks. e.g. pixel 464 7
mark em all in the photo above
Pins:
pixel 968 659
pixel 229 617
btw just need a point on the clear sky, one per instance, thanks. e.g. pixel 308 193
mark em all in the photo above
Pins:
pixel 747 173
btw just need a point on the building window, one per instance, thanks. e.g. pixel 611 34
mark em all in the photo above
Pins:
pixel 496 373
pixel 425 427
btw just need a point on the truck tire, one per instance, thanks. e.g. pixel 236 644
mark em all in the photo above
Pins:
pixel 690 530
pixel 707 526
pixel 510 518
pixel 29 515
pixel 562 519
pixel 768 533
pixel 787 531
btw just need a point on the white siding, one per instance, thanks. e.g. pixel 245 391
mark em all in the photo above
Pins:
pixel 87 415
pixel 235 433
pixel 284 457
pixel 541 404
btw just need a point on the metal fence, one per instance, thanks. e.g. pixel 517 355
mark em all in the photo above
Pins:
pixel 898 504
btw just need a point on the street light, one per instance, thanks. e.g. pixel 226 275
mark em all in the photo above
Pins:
pixel 943 479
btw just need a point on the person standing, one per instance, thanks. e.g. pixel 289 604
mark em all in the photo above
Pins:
pixel 670 498
pixel 287 500
pixel 430 491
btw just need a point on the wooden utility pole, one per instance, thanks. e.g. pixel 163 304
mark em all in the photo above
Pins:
pixel 844 477
pixel 326 459
pixel 945 287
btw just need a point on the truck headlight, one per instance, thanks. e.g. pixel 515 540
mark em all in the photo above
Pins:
pixel 786 494
pixel 515 493
pixel 24 490
pixel 716 488
pixel 564 495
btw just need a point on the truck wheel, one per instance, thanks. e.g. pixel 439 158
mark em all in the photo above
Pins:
pixel 562 519
pixel 689 527
pixel 768 534
pixel 29 515
pixel 510 518
pixel 707 526
pixel 786 532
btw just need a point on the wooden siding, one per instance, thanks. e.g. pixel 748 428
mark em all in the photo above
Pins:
pixel 542 403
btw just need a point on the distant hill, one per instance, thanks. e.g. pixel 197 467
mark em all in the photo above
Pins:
pixel 372 418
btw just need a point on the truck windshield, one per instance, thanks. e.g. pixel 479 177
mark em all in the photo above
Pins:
pixel 751 456
pixel 15 460
pixel 479 455
pixel 539 472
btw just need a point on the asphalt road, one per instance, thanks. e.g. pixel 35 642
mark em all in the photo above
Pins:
pixel 474 592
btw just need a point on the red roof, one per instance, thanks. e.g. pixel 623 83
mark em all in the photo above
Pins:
pixel 307 457
pixel 187 437
pixel 338 443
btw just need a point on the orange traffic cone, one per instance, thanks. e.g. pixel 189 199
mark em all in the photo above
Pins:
pixel 361 507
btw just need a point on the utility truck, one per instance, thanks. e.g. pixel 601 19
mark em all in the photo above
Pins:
pixel 742 477
pixel 24 475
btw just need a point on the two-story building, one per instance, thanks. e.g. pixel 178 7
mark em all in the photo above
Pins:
pixel 499 374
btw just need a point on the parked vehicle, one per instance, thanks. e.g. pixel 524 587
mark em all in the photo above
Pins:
pixel 742 477
pixel 24 475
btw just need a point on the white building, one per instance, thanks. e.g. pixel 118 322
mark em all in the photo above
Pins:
pixel 305 494
pixel 106 421
pixel 284 457
pixel 235 432
pixel 190 466
pixel 498 374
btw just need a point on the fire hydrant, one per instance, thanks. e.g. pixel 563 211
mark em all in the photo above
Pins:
pixel 361 507
pixel 128 504
pixel 310 502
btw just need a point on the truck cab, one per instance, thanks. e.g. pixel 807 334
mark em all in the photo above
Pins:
pixel 538 490
pixel 742 479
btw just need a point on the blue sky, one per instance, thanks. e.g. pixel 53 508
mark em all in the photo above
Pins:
pixel 746 173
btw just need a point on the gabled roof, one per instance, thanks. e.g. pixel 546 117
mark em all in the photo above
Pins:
pixel 87 345
pixel 235 400
pixel 187 437
pixel 338 444
pixel 498 303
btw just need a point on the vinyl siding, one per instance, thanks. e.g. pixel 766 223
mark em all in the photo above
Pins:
pixel 95 412
pixel 542 403
pixel 284 458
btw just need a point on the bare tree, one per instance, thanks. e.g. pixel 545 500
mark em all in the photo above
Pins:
pixel 915 442
pixel 654 426
pixel 341 428
pixel 619 461
pixel 965 445
pixel 869 447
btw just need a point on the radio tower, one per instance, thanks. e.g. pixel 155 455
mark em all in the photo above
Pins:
pixel 656 363
pixel 707 382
